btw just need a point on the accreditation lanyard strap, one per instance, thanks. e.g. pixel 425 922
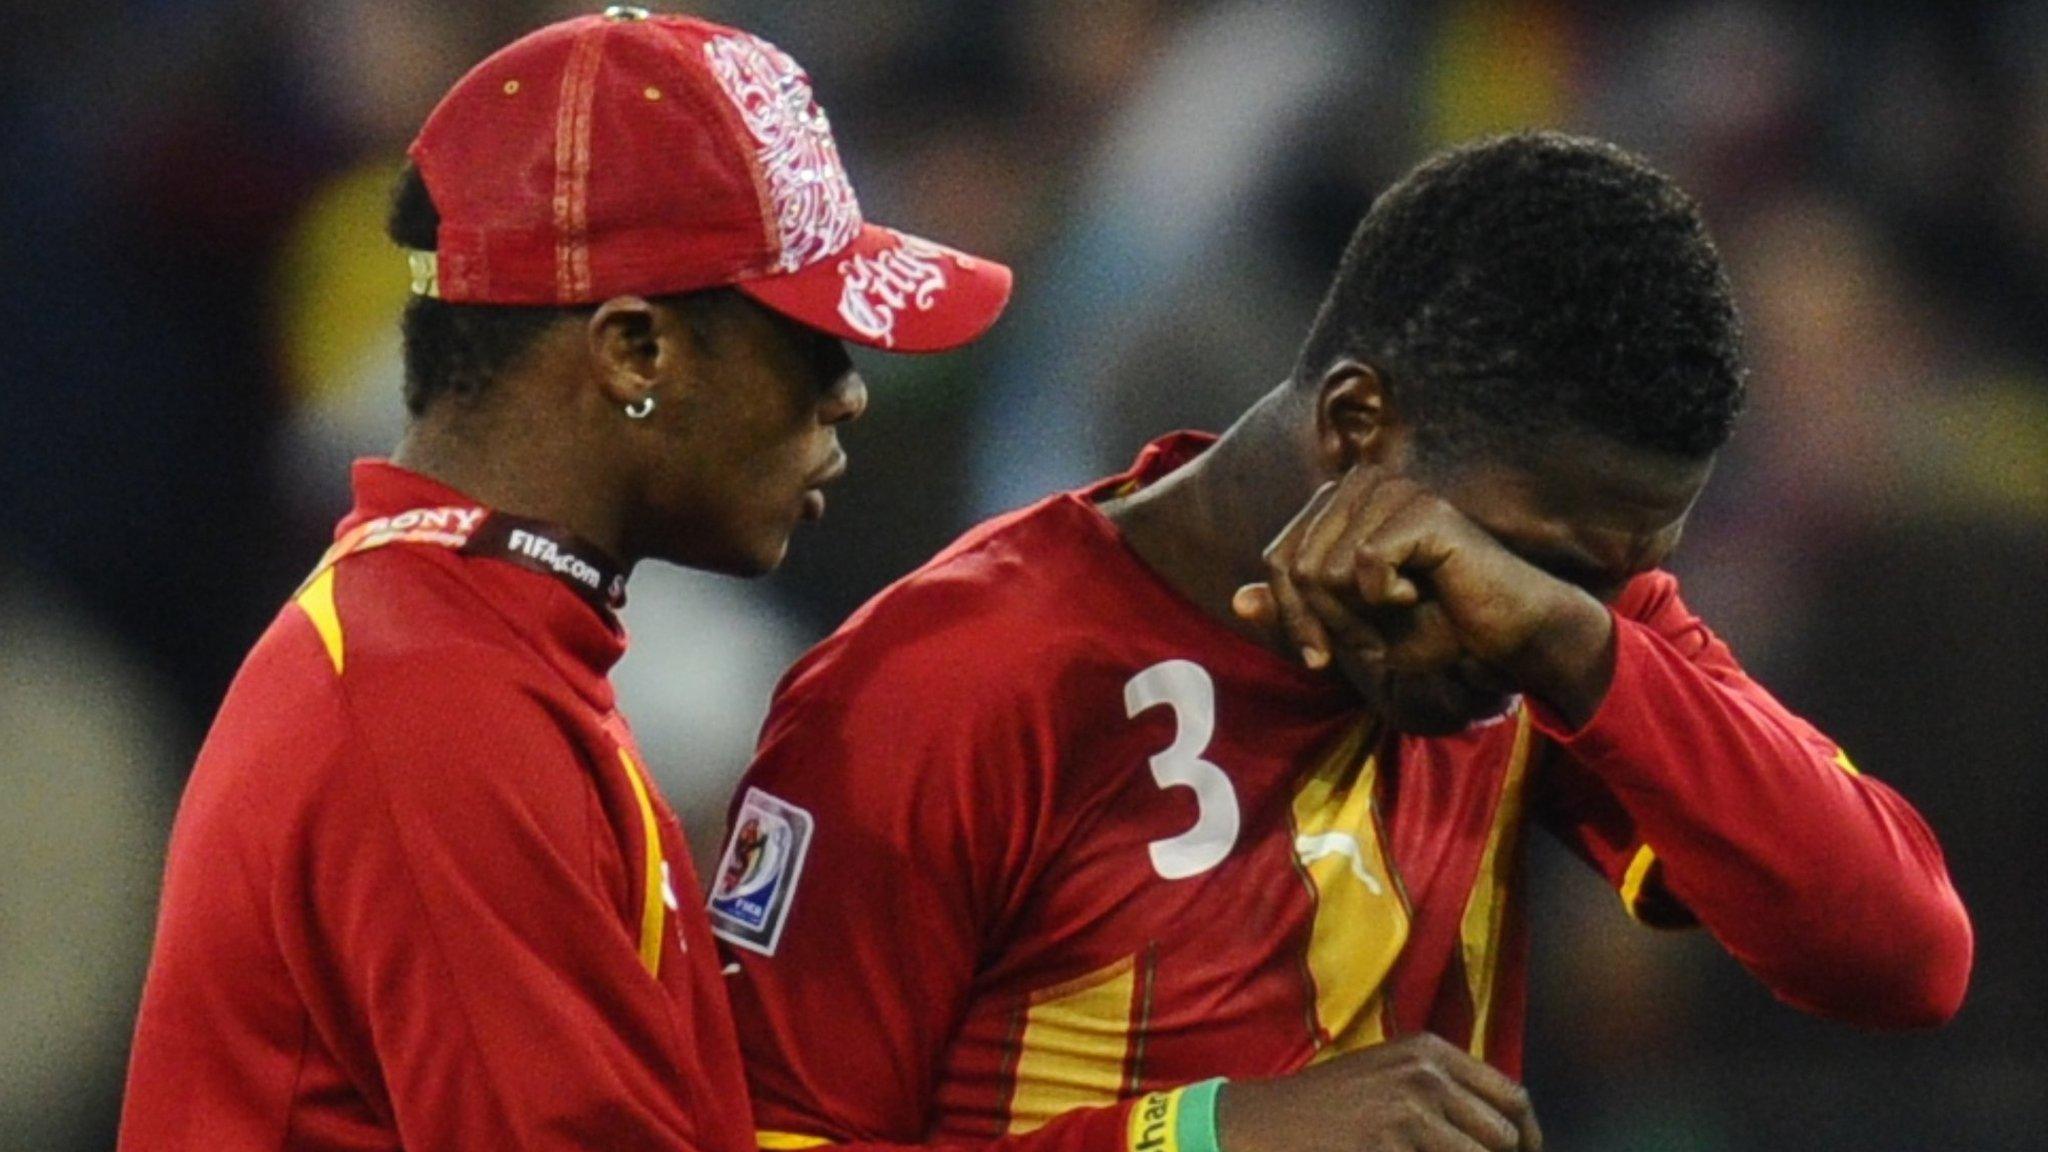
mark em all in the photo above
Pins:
pixel 472 530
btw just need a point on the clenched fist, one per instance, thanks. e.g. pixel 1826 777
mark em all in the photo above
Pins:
pixel 1398 587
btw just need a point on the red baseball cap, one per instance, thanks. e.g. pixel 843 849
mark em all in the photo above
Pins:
pixel 637 154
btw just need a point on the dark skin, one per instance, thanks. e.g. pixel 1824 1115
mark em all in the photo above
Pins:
pixel 742 438
pixel 1438 590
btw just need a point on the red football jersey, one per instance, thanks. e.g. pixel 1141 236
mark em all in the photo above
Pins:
pixel 1031 834
pixel 421 892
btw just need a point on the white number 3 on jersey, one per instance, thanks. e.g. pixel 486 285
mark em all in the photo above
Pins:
pixel 1185 687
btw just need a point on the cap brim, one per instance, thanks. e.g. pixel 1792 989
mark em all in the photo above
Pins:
pixel 892 291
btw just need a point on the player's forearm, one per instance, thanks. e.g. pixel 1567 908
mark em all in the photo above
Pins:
pixel 1825 884
pixel 1568 660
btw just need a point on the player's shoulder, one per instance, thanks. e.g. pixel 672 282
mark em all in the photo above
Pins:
pixel 406 619
pixel 283 734
pixel 376 690
pixel 1007 564
pixel 1007 602
pixel 936 714
pixel 283 703
pixel 385 639
pixel 389 628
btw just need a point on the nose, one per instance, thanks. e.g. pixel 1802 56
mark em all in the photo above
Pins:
pixel 846 400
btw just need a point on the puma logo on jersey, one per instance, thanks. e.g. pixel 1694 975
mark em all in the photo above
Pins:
pixel 1313 847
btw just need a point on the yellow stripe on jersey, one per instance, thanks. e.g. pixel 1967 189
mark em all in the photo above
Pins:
pixel 653 884
pixel 1075 1043
pixel 787 1141
pixel 1361 918
pixel 1480 932
pixel 317 601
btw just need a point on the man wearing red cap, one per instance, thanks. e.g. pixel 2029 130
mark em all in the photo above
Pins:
pixel 422 891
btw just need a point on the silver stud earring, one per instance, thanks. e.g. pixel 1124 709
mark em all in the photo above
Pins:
pixel 639 409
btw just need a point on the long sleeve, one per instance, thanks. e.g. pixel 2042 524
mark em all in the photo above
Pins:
pixel 1700 796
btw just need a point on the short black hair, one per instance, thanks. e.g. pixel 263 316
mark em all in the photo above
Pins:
pixel 456 350
pixel 1523 285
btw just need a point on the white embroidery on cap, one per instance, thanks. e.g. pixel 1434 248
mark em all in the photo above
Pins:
pixel 879 287
pixel 815 210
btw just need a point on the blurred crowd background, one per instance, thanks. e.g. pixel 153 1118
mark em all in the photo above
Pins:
pixel 197 333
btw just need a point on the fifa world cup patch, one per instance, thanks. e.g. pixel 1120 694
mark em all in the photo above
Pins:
pixel 757 878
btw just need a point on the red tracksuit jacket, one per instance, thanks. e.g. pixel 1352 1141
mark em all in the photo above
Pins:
pixel 1032 835
pixel 420 892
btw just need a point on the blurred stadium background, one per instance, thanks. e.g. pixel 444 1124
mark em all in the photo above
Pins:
pixel 197 334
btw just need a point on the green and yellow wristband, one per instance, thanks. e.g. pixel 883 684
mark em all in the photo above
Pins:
pixel 1176 1120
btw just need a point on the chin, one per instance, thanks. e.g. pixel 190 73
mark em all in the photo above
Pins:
pixel 759 561
pixel 731 558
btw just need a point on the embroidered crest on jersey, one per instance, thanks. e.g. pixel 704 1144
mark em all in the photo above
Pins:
pixel 880 287
pixel 757 878
pixel 816 213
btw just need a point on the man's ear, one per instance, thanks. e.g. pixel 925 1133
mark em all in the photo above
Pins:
pixel 1355 418
pixel 624 337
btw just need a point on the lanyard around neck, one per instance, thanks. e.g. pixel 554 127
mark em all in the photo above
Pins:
pixel 473 530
